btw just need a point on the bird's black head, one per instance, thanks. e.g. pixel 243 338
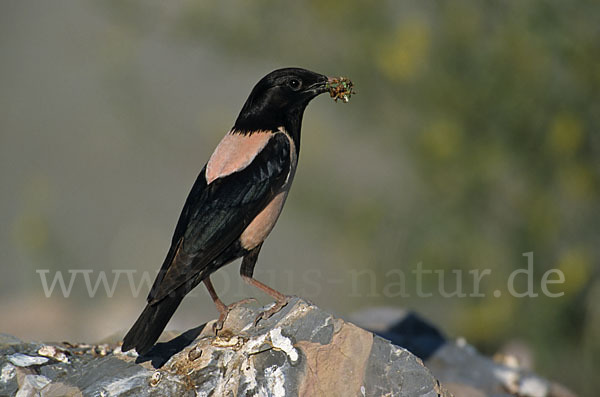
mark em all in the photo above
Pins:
pixel 279 99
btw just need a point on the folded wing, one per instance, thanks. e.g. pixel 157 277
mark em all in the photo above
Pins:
pixel 216 213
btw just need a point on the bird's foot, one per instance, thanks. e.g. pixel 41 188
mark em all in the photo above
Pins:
pixel 224 312
pixel 279 304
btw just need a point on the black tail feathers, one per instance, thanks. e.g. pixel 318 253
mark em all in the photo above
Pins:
pixel 150 324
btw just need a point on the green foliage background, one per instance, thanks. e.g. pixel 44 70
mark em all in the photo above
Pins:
pixel 473 139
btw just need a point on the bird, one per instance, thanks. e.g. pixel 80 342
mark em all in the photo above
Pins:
pixel 234 203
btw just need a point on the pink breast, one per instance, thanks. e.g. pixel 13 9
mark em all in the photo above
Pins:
pixel 235 152
pixel 258 230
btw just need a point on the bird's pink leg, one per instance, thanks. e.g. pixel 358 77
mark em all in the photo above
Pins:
pixel 280 299
pixel 247 270
pixel 221 307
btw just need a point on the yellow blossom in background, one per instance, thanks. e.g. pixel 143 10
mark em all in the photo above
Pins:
pixel 403 53
pixel 576 265
pixel 566 135
pixel 488 319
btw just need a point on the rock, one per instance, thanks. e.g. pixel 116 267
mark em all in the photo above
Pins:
pixel 458 365
pixel 23 360
pixel 299 351
pixel 402 328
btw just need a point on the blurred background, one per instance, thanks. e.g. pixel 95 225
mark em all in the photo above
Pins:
pixel 473 139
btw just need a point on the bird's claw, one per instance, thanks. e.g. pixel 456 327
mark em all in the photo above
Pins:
pixel 218 325
pixel 268 313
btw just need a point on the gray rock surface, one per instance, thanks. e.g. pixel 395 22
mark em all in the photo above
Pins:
pixel 299 351
pixel 461 369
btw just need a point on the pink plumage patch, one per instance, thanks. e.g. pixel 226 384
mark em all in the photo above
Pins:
pixel 235 152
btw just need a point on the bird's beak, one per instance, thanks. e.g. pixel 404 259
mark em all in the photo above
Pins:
pixel 320 86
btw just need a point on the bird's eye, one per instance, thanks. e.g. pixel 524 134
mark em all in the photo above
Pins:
pixel 294 84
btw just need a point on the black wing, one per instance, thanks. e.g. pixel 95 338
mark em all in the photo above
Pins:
pixel 215 215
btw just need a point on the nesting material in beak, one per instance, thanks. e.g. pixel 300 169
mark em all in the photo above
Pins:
pixel 340 88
